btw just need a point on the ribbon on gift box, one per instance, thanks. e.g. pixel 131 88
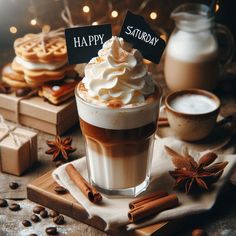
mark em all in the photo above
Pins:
pixel 29 95
pixel 11 131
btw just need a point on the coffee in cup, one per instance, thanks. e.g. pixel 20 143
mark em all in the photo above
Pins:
pixel 192 113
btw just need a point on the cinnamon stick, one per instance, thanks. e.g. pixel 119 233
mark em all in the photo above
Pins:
pixel 153 207
pixel 161 118
pixel 88 190
pixel 147 198
pixel 163 123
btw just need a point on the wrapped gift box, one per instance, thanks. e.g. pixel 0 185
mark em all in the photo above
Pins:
pixel 18 150
pixel 36 113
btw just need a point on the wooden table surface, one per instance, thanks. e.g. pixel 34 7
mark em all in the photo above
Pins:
pixel 219 221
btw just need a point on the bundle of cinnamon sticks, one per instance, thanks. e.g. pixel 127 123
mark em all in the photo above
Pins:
pixel 151 204
pixel 87 189
pixel 140 208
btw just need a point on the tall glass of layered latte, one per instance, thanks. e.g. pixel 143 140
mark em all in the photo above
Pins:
pixel 118 104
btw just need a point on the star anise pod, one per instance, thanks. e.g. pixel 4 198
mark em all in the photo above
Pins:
pixel 5 88
pixel 190 175
pixel 60 149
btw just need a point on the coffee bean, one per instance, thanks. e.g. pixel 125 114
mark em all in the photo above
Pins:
pixel 21 92
pixel 26 223
pixel 43 214
pixel 14 207
pixel 37 209
pixel 60 190
pixel 32 235
pixel 35 218
pixel 13 185
pixel 3 203
pixel 53 213
pixel 51 231
pixel 59 220
pixel 199 232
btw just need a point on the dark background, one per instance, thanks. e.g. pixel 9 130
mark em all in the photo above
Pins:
pixel 19 13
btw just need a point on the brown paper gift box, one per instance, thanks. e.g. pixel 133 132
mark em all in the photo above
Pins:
pixel 16 159
pixel 36 113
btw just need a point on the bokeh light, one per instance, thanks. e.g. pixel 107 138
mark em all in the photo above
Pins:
pixel 33 22
pixel 13 29
pixel 86 9
pixel 114 14
pixel 153 15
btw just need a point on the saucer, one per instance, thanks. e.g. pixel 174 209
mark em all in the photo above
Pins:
pixel 218 138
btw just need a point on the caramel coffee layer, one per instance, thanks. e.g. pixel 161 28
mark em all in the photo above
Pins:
pixel 110 136
pixel 118 150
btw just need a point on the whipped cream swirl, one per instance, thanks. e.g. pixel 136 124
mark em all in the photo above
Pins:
pixel 118 73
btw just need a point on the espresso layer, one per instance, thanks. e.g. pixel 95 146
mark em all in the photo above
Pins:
pixel 109 136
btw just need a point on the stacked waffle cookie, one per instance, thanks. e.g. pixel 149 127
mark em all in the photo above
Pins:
pixel 39 61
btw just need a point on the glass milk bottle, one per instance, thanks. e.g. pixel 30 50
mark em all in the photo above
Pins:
pixel 192 53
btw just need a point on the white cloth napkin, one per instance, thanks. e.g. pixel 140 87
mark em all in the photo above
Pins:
pixel 114 210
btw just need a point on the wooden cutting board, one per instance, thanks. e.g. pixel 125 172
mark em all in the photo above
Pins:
pixel 41 191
